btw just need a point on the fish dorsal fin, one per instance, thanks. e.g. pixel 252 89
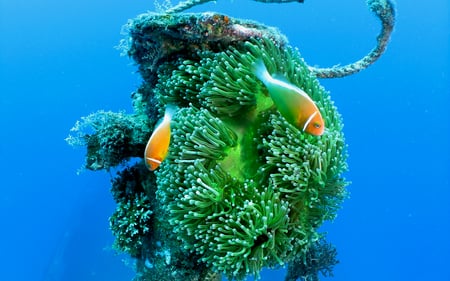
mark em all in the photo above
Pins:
pixel 281 77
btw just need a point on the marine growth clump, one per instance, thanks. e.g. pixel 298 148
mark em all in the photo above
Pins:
pixel 232 159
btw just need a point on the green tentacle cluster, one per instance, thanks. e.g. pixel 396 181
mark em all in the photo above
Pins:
pixel 211 84
pixel 306 170
pixel 243 188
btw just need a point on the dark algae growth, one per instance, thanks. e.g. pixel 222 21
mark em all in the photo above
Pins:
pixel 235 178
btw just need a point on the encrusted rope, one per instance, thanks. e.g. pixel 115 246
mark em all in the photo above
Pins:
pixel 383 9
pixel 184 5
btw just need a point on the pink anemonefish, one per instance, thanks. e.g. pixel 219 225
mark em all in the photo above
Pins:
pixel 158 144
pixel 292 102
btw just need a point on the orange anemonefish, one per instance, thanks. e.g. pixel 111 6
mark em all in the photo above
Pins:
pixel 158 144
pixel 292 102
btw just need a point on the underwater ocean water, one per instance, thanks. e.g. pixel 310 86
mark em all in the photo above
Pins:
pixel 58 63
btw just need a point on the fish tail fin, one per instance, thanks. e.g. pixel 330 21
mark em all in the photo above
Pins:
pixel 260 70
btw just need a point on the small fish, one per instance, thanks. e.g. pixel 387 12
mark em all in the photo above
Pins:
pixel 292 102
pixel 158 144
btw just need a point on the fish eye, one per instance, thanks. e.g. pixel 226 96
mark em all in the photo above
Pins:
pixel 317 125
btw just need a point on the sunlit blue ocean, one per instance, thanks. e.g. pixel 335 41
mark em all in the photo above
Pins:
pixel 58 63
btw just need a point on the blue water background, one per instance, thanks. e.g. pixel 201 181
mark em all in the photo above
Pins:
pixel 57 63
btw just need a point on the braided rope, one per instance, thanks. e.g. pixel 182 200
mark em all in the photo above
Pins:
pixel 384 10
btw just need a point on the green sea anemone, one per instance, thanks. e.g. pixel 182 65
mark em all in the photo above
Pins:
pixel 241 188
